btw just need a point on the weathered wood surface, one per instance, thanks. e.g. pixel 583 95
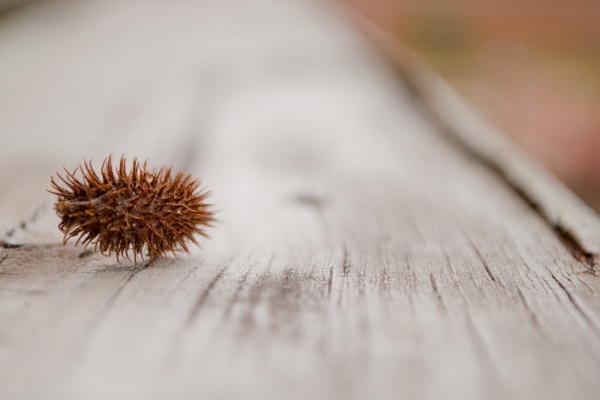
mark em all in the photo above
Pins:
pixel 564 211
pixel 359 253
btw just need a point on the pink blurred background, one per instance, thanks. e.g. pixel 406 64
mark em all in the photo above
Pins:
pixel 532 67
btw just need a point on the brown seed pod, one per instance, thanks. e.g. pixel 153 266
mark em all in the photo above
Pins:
pixel 133 211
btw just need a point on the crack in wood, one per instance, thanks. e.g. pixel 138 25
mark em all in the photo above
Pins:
pixel 345 262
pixel 317 203
pixel 575 304
pixel 420 94
pixel 235 295
pixel 114 296
pixel 576 249
pixel 255 293
pixel 484 263
pixel 104 309
pixel 204 296
pixel 568 240
pixel 438 295
pixel 487 269
pixel 565 237
pixel 330 281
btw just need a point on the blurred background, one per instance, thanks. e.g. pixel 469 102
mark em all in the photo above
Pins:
pixel 531 67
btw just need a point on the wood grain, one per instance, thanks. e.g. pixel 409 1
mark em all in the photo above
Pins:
pixel 359 253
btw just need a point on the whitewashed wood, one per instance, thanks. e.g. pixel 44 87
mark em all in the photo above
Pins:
pixel 359 254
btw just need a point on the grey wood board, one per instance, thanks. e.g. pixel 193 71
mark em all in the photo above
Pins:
pixel 358 254
pixel 568 215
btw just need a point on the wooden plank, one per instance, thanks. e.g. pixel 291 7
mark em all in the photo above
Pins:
pixel 566 213
pixel 359 253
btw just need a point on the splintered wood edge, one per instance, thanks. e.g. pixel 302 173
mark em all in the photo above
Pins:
pixel 573 221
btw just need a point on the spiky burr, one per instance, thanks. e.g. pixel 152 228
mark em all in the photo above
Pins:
pixel 131 212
